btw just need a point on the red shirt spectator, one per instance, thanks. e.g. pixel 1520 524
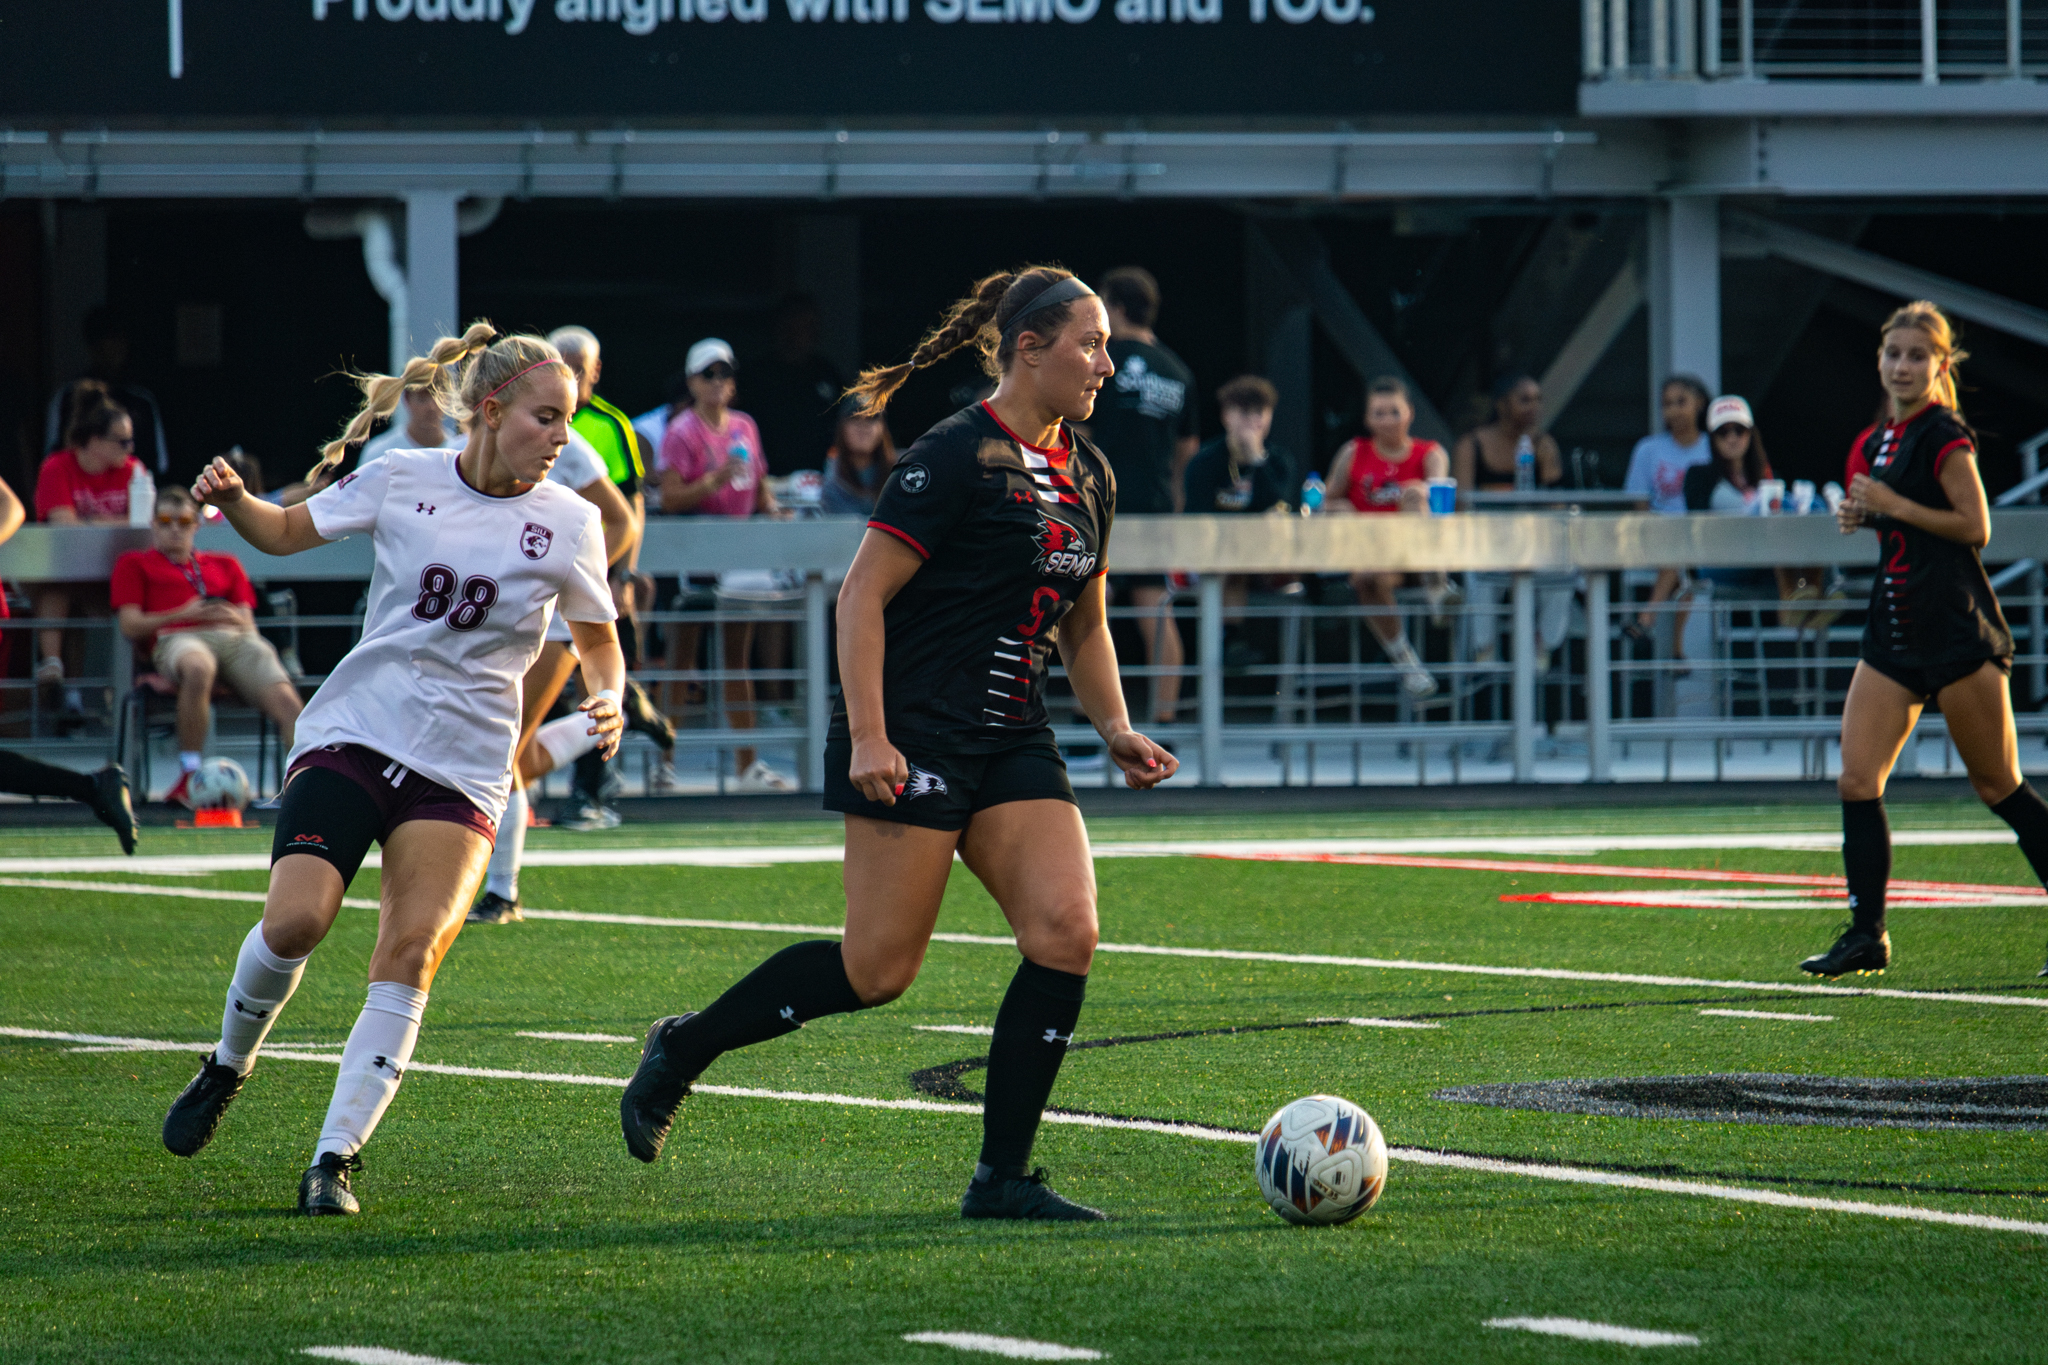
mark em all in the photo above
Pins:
pixel 1374 482
pixel 66 483
pixel 149 580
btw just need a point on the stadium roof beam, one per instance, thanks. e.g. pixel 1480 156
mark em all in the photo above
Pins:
pixel 1889 276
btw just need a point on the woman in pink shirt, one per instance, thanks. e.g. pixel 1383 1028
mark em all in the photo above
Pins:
pixel 84 484
pixel 712 465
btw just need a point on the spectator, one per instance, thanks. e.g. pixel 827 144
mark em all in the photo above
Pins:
pixel 1388 470
pixel 86 483
pixel 861 456
pixel 794 389
pixel 651 427
pixel 612 435
pixel 106 791
pixel 106 344
pixel 194 610
pixel 1238 471
pixel 420 424
pixel 1146 424
pixel 1487 459
pixel 1729 484
pixel 712 464
pixel 1656 471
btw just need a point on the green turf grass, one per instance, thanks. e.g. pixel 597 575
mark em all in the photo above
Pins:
pixel 504 1222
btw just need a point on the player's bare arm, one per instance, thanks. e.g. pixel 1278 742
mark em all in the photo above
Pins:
pixel 272 529
pixel 1967 519
pixel 604 678
pixel 1090 658
pixel 880 568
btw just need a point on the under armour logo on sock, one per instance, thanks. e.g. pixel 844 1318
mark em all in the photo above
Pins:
pixel 386 1064
pixel 789 1014
pixel 1053 1035
pixel 1852 900
pixel 240 1008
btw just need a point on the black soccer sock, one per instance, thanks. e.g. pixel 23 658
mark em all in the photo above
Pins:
pixel 1867 860
pixel 2027 813
pixel 590 775
pixel 1033 1029
pixel 802 982
pixel 28 777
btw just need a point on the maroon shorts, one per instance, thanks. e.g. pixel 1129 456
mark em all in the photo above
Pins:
pixel 398 793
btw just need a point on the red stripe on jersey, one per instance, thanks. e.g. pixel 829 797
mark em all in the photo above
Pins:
pixel 903 536
pixel 1858 463
pixel 1059 451
pixel 1959 443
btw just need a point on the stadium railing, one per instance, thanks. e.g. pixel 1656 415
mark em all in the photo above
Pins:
pixel 1319 684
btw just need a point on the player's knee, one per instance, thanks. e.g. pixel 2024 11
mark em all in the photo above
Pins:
pixel 409 957
pixel 877 983
pixel 1992 788
pixel 1071 929
pixel 1859 787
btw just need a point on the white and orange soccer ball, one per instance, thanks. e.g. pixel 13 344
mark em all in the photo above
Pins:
pixel 220 783
pixel 1320 1160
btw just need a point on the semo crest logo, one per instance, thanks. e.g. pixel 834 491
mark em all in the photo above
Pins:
pixel 1062 553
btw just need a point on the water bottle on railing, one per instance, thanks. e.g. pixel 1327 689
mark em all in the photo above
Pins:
pixel 1312 495
pixel 1525 464
pixel 141 496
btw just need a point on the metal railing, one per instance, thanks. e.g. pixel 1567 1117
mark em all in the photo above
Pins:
pixel 1549 683
pixel 1747 40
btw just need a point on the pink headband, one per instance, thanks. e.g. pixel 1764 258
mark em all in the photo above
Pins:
pixel 521 375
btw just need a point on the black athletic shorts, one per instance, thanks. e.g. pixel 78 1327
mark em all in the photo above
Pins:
pixel 1925 683
pixel 945 789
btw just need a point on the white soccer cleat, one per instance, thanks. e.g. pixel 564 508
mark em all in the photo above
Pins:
pixel 759 778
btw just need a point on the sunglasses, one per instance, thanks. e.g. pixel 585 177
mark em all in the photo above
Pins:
pixel 716 372
pixel 184 520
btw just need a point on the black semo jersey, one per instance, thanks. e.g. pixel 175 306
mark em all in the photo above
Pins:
pixel 1010 535
pixel 1931 603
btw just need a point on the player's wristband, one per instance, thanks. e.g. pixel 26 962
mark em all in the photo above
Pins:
pixel 610 694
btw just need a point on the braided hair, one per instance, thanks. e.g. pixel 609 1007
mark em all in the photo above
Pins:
pixel 977 320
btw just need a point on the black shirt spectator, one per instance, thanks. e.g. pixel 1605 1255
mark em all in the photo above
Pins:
pixel 1145 419
pixel 793 393
pixel 1219 481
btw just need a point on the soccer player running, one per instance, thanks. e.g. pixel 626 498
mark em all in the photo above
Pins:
pixel 986 548
pixel 409 740
pixel 1934 630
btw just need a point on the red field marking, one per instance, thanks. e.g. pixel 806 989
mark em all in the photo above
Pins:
pixel 1675 874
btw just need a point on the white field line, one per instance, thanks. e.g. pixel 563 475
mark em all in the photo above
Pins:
pixel 1595 1331
pixel 1152 950
pixel 1016 1348
pixel 1766 1014
pixel 1766 900
pixel 373 1355
pixel 579 1037
pixel 193 893
pixel 978 1030
pixel 191 863
pixel 1568 1174
pixel 1379 1023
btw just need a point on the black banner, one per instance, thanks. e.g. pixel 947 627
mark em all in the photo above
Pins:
pixel 287 62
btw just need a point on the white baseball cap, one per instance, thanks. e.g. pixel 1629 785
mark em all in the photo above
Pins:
pixel 707 353
pixel 1723 410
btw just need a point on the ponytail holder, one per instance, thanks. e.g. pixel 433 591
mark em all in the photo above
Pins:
pixel 1060 291
pixel 552 360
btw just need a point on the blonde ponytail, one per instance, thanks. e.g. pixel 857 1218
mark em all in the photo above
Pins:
pixel 977 320
pixel 381 392
pixel 1924 316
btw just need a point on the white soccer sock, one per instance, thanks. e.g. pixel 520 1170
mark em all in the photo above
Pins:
pixel 566 739
pixel 263 982
pixel 379 1049
pixel 501 877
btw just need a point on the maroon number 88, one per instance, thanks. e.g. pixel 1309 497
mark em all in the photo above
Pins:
pixel 466 606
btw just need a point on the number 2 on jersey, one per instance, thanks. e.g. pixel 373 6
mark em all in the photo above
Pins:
pixel 466 607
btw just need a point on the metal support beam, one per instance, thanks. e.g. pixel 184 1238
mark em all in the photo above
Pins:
pixel 1684 293
pixel 1599 681
pixel 1891 277
pixel 432 300
pixel 1302 252
pixel 1581 353
pixel 817 682
pixel 1209 603
pixel 1524 637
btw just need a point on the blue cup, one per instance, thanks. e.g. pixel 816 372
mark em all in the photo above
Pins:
pixel 1443 497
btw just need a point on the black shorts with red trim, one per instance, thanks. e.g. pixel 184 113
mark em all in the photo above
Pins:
pixel 946 790
pixel 1926 682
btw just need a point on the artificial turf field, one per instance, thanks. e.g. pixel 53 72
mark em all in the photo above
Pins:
pixel 503 1221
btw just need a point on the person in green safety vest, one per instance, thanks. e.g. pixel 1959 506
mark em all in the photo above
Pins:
pixel 610 432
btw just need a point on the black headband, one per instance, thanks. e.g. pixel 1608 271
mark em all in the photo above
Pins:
pixel 1061 291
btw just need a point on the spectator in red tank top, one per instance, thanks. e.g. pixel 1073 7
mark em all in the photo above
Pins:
pixel 86 483
pixel 1388 470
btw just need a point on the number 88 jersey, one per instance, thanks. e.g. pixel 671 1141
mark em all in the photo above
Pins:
pixel 459 602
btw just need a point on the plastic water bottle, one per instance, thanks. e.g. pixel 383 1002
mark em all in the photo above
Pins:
pixel 141 496
pixel 1312 495
pixel 1525 464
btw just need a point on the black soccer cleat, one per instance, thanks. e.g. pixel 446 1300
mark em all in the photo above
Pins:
pixel 196 1113
pixel 1024 1197
pixel 655 1093
pixel 115 805
pixel 1857 950
pixel 641 716
pixel 495 909
pixel 323 1190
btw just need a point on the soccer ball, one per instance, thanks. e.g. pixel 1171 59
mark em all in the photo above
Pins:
pixel 220 782
pixel 1320 1160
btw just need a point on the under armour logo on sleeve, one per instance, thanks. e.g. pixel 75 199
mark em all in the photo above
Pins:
pixel 1053 1035
pixel 789 1013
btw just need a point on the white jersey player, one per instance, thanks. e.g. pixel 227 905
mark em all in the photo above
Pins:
pixel 409 741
